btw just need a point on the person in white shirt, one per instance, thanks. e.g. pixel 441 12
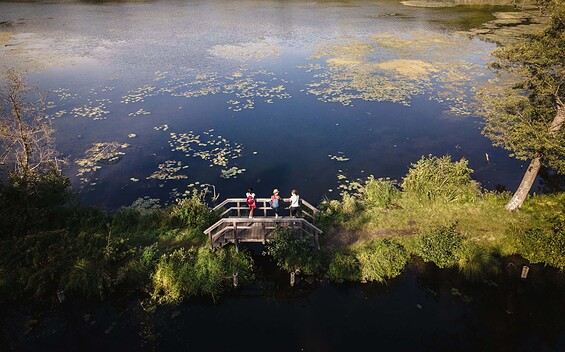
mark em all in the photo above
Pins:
pixel 294 204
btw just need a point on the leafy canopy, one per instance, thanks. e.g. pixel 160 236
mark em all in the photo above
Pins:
pixel 520 118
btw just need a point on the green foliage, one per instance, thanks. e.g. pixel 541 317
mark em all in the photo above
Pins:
pixel 440 246
pixel 359 196
pixel 292 253
pixel 519 119
pixel 149 257
pixel 191 272
pixel 439 179
pixel 380 192
pixel 349 204
pixel 381 259
pixel 193 213
pixel 86 264
pixel 37 204
pixel 545 244
pixel 344 267
pixel 476 263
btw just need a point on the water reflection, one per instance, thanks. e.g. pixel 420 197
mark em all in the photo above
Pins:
pixel 424 309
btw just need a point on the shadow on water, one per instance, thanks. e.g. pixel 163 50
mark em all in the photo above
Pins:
pixel 425 309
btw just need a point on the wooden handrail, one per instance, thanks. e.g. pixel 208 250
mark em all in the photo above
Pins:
pixel 262 220
pixel 239 227
pixel 241 204
pixel 244 229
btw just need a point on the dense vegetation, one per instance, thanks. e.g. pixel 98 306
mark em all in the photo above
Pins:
pixel 526 118
pixel 465 227
pixel 93 254
pixel 52 245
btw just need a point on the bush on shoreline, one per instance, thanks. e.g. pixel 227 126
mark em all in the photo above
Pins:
pixel 198 272
pixel 92 254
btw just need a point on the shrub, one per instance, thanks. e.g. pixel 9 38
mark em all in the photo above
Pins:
pixel 440 246
pixel 292 253
pixel 476 263
pixel 349 204
pixel 330 213
pixel 167 280
pixel 440 179
pixel 149 256
pixel 381 259
pixel 344 267
pixel 191 272
pixel 380 192
pixel 38 204
pixel 545 244
pixel 193 213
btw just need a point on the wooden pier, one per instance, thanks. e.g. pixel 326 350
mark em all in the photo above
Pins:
pixel 236 227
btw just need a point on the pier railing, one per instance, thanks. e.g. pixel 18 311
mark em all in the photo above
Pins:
pixel 235 225
pixel 236 230
pixel 238 207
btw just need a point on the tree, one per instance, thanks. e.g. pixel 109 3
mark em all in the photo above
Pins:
pixel 526 118
pixel 26 136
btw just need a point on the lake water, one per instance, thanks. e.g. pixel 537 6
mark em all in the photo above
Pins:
pixel 157 99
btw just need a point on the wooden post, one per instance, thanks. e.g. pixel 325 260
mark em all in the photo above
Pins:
pixel 235 233
pixel 238 210
pixel 61 296
pixel 525 271
pixel 292 279
pixel 210 240
pixel 265 208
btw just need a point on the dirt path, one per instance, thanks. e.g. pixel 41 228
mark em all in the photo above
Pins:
pixel 336 238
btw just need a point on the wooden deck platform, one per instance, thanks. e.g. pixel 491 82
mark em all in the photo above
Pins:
pixel 238 229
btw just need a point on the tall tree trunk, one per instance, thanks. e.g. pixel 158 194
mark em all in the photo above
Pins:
pixel 529 177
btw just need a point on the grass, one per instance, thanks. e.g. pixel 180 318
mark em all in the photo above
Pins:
pixel 417 209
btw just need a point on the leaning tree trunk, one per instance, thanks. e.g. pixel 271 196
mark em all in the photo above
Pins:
pixel 527 182
pixel 529 177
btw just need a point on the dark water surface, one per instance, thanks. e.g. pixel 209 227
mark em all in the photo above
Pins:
pixel 286 88
pixel 426 309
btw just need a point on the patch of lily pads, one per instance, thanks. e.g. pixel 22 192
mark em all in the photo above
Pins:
pixel 100 153
pixel 169 170
pixel 215 149
pixel 396 68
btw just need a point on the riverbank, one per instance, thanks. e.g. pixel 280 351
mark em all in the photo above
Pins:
pixel 437 213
